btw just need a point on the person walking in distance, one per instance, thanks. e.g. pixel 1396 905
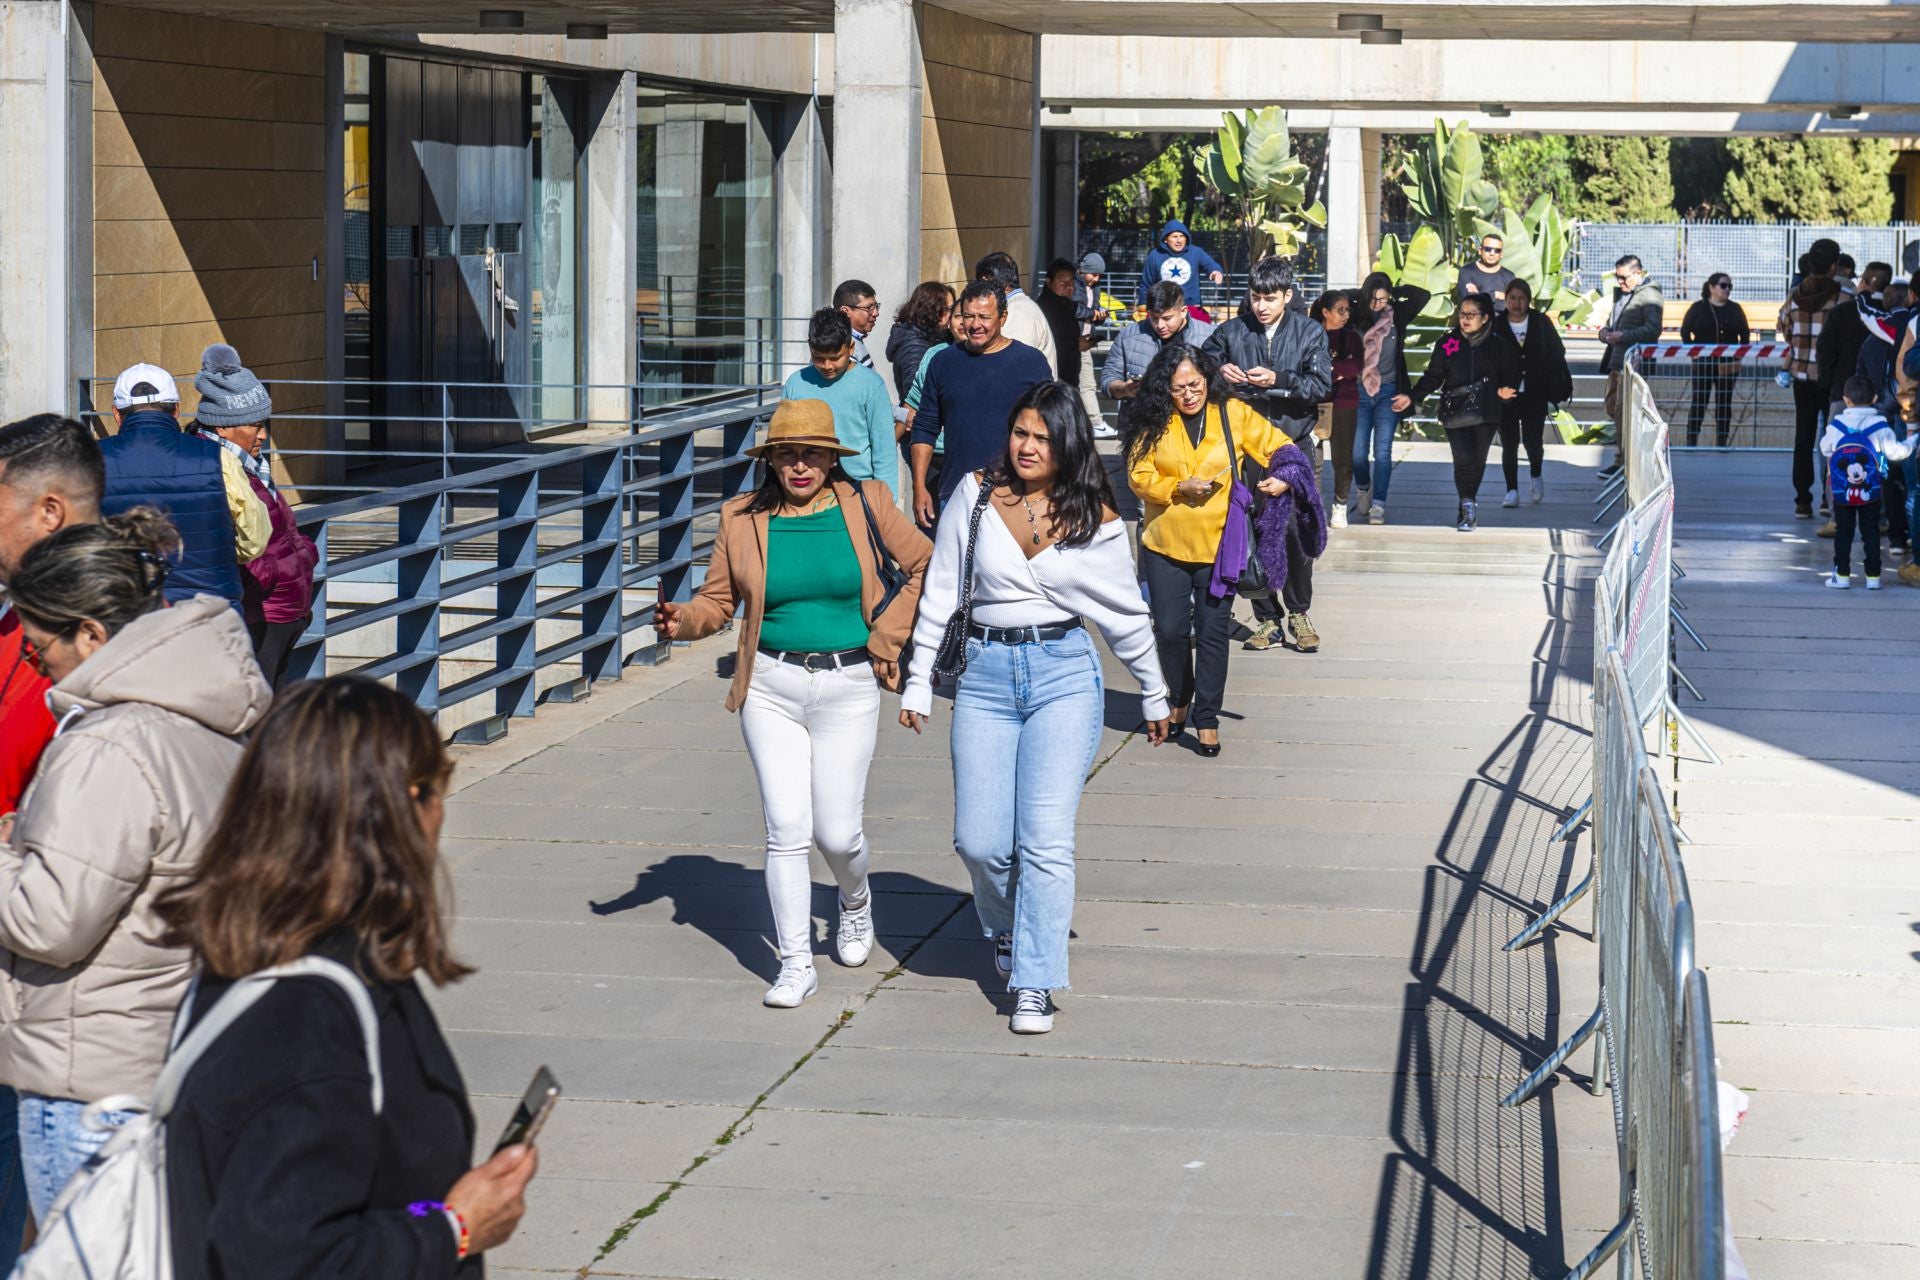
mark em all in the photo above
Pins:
pixel 1276 360
pixel 152 703
pixel 1715 321
pixel 856 399
pixel 805 553
pixel 1389 309
pixel 1087 309
pixel 1485 275
pixel 1047 555
pixel 1168 322
pixel 1475 371
pixel 1637 318
pixel 1544 380
pixel 1857 446
pixel 1177 260
pixel 279 1164
pixel 969 394
pixel 1801 318
pixel 1334 310
pixel 1183 448
pixel 1063 319
pixel 854 299
pixel 202 488
pixel 278 588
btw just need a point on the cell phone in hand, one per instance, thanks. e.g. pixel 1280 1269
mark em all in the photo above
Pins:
pixel 530 1116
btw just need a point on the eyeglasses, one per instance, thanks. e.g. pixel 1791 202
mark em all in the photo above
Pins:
pixel 872 308
pixel 35 656
pixel 1494 249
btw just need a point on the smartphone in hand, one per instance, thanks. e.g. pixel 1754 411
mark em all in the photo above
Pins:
pixel 530 1116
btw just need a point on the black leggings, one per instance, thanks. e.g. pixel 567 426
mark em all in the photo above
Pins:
pixel 1712 379
pixel 1470 447
pixel 273 644
pixel 1191 627
pixel 1522 424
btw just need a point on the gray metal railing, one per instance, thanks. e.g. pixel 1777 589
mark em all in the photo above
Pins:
pixel 544 565
pixel 1761 258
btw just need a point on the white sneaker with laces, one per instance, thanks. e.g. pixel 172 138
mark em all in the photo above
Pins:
pixel 796 982
pixel 1536 490
pixel 1873 582
pixel 853 939
pixel 1838 583
pixel 1104 430
pixel 1377 513
pixel 1003 953
pixel 1337 518
pixel 1032 1012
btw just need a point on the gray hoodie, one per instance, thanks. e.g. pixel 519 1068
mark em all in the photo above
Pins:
pixel 119 810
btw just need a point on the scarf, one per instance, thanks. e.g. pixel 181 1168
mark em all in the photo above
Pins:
pixel 1478 336
pixel 258 468
pixel 1372 343
pixel 1300 509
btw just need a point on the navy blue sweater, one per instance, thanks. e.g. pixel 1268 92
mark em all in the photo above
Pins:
pixel 971 398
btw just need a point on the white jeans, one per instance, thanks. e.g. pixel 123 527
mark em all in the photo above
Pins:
pixel 810 735
pixel 1089 386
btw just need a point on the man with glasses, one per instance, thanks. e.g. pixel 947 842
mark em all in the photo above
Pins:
pixel 1638 316
pixel 1486 276
pixel 854 299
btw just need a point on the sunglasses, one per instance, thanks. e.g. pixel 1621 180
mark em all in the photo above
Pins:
pixel 1492 248
pixel 1720 284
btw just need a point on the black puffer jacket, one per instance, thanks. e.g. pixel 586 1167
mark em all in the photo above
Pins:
pixel 1456 363
pixel 1297 353
pixel 906 348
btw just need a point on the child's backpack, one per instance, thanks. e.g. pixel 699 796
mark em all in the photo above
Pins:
pixel 1856 467
pixel 110 1222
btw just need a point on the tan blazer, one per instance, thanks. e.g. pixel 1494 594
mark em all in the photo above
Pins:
pixel 737 574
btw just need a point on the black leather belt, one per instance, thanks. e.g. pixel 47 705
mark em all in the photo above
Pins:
pixel 820 661
pixel 1025 635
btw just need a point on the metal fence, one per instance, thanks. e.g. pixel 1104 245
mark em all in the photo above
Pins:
pixel 1728 395
pixel 1655 1050
pixel 1761 258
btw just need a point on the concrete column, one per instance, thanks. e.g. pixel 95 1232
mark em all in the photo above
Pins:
pixel 877 104
pixel 803 179
pixel 1037 187
pixel 1371 147
pixel 762 254
pixel 1348 259
pixel 46 208
pixel 613 218
pixel 679 167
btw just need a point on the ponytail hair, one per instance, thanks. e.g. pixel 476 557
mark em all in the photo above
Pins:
pixel 109 572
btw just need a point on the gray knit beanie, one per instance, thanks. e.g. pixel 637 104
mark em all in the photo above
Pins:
pixel 230 396
pixel 1094 265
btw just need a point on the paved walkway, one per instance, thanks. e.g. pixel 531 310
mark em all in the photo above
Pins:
pixel 1291 1018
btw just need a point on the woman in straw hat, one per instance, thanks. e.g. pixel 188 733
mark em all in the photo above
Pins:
pixel 808 552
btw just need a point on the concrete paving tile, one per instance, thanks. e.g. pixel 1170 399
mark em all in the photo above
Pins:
pixel 1784 862
pixel 1850 1059
pixel 715 1072
pixel 1816 999
pixel 1831 1126
pixel 622 1009
pixel 567 1221
pixel 911 907
pixel 724 956
pixel 594 1140
pixel 1829 1199
pixel 1824 1259
pixel 1816 906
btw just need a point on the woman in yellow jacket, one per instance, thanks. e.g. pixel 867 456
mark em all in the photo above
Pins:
pixel 1177 462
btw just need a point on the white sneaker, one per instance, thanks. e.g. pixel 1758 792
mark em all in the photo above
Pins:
pixel 1377 513
pixel 796 982
pixel 1873 582
pixel 1104 430
pixel 1337 518
pixel 853 939
pixel 1032 1012
pixel 1003 953
pixel 1536 489
pixel 1838 583
pixel 1512 499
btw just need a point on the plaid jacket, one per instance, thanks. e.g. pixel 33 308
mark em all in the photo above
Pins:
pixel 1799 324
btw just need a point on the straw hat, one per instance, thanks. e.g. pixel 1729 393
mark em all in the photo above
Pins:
pixel 807 423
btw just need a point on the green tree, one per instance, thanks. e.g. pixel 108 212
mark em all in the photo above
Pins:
pixel 1622 179
pixel 1525 167
pixel 1810 179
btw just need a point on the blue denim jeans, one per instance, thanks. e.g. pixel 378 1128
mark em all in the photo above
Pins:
pixel 54 1144
pixel 1910 470
pixel 1374 425
pixel 1026 725
pixel 13 1183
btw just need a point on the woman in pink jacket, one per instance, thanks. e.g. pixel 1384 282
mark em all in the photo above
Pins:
pixel 278 588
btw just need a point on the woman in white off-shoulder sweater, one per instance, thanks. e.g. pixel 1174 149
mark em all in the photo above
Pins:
pixel 1050 557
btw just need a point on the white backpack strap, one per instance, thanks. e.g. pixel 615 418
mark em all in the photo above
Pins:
pixel 243 995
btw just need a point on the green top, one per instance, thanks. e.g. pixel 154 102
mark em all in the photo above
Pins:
pixel 813 586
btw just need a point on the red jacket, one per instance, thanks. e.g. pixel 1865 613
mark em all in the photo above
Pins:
pixel 26 726
pixel 279 582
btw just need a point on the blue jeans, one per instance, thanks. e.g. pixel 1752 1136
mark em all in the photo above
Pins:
pixel 54 1144
pixel 1026 725
pixel 1910 470
pixel 13 1183
pixel 1374 425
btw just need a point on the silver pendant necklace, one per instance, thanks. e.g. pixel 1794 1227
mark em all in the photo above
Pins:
pixel 1027 502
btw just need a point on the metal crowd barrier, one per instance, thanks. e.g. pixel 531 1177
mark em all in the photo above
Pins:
pixel 1655 1048
pixel 1719 396
pixel 484 582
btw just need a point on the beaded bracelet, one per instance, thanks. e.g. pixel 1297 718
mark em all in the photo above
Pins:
pixel 458 1220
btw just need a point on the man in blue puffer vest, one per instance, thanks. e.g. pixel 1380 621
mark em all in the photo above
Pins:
pixel 150 462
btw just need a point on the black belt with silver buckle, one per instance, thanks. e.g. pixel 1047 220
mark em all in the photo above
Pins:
pixel 1025 635
pixel 820 661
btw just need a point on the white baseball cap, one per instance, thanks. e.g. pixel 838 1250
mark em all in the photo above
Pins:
pixel 164 391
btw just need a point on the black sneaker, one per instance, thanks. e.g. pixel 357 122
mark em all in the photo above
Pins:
pixel 1032 1012
pixel 1469 517
pixel 1803 511
pixel 1003 953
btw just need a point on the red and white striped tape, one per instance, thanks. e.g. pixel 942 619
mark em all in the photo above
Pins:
pixel 1724 350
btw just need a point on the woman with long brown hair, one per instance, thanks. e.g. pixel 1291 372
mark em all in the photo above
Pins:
pixel 279 1162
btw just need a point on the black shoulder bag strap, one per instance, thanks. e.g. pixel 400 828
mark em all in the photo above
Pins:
pixel 893 579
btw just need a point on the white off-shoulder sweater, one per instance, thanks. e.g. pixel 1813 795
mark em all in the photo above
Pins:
pixel 1096 583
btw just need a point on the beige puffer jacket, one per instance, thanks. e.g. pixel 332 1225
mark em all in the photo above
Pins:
pixel 120 807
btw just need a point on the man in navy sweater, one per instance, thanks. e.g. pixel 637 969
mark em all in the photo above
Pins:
pixel 970 391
